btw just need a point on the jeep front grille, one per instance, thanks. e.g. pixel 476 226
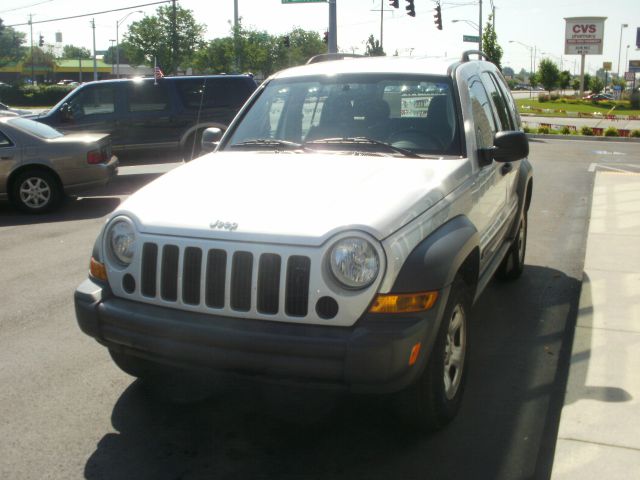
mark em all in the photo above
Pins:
pixel 203 278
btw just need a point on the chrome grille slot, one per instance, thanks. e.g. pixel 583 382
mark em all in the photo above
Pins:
pixel 149 271
pixel 215 279
pixel 297 288
pixel 241 273
pixel 191 272
pixel 269 283
pixel 169 273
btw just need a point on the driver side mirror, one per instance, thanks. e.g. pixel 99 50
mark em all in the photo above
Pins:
pixel 210 139
pixel 66 113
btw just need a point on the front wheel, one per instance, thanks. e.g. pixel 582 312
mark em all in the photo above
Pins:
pixel 435 398
pixel 513 264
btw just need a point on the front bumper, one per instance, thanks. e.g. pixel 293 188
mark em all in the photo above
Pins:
pixel 370 357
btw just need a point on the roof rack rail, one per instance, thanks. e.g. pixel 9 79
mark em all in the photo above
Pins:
pixel 465 55
pixel 326 57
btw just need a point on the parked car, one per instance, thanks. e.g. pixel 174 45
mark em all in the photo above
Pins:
pixel 6 110
pixel 144 114
pixel 348 220
pixel 596 97
pixel 39 164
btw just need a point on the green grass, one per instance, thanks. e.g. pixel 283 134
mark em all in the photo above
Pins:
pixel 560 107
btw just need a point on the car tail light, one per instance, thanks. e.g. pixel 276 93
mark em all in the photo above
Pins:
pixel 96 156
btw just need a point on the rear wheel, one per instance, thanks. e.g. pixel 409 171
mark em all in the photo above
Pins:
pixel 36 191
pixel 435 398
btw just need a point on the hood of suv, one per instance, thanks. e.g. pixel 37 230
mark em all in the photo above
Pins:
pixel 290 197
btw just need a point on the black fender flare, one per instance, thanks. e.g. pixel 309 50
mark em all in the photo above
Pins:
pixel 524 188
pixel 434 262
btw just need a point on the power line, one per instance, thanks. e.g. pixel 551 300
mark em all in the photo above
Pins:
pixel 26 6
pixel 90 14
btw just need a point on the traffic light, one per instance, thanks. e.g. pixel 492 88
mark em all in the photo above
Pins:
pixel 326 37
pixel 394 3
pixel 438 17
pixel 411 8
pixel 41 42
pixel 286 41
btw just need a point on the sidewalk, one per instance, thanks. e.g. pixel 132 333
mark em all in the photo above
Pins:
pixel 599 432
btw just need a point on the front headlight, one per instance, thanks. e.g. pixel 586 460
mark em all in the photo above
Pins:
pixel 354 262
pixel 121 241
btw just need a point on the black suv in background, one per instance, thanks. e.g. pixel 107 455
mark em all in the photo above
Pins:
pixel 146 114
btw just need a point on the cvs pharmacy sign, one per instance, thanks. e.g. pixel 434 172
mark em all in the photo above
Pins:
pixel 584 35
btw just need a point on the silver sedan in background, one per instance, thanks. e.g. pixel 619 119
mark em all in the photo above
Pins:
pixel 39 164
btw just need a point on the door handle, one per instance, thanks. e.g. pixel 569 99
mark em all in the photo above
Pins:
pixel 506 168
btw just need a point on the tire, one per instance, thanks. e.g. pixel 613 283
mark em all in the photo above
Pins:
pixel 435 398
pixel 36 191
pixel 513 264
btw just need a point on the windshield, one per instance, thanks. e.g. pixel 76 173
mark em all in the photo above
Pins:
pixel 35 128
pixel 414 113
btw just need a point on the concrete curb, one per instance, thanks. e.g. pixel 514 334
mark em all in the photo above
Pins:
pixel 584 137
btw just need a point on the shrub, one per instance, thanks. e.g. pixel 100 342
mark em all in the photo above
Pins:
pixel 611 132
pixel 543 97
pixel 585 130
pixel 34 95
pixel 526 129
pixel 544 130
pixel 565 130
pixel 635 133
pixel 554 96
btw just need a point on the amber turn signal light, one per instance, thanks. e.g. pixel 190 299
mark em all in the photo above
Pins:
pixel 415 351
pixel 97 270
pixel 404 303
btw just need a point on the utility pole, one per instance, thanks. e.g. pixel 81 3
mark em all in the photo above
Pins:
pixel 236 43
pixel 31 34
pixel 174 37
pixel 95 65
pixel 381 22
pixel 333 27
pixel 480 27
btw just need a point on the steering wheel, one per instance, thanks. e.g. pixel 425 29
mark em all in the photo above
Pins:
pixel 412 138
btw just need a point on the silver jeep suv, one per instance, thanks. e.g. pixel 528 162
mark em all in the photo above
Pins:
pixel 339 235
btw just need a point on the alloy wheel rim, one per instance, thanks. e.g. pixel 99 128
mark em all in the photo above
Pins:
pixel 35 192
pixel 454 352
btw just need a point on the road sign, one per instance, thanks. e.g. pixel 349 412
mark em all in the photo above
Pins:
pixel 629 76
pixel 617 88
pixel 634 66
pixel 607 66
pixel 471 38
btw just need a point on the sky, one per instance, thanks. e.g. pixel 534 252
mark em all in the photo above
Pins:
pixel 534 23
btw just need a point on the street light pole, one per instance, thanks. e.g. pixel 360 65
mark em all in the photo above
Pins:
pixel 118 40
pixel 623 25
pixel 531 64
pixel 480 26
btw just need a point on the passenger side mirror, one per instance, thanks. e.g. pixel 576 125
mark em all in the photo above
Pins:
pixel 507 147
pixel 210 139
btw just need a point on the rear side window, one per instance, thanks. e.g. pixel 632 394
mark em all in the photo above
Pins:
pixel 214 92
pixel 483 119
pixel 147 97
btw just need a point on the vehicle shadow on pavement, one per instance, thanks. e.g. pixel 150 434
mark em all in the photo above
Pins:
pixel 506 429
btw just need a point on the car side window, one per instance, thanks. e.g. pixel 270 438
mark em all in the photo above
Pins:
pixel 147 97
pixel 499 102
pixel 506 93
pixel 94 100
pixel 4 141
pixel 485 124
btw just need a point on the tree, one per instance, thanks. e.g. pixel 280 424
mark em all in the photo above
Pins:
pixel 565 80
pixel 596 85
pixel 508 72
pixel 154 36
pixel 373 48
pixel 548 74
pixel 587 81
pixel 10 45
pixel 490 45
pixel 110 56
pixel 71 51
pixel 534 79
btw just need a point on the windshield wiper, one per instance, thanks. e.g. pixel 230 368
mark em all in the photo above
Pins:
pixel 267 142
pixel 362 141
